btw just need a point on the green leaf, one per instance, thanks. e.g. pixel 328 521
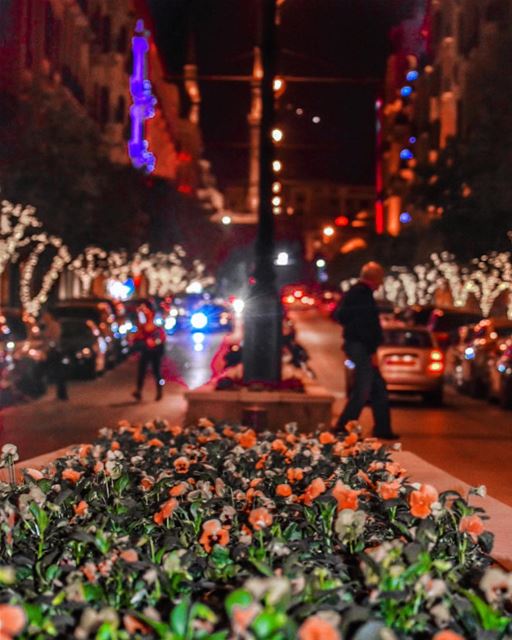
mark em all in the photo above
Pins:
pixel 106 632
pixel 179 618
pixel 491 620
pixel 262 567
pixel 268 622
pixel 203 612
pixel 239 598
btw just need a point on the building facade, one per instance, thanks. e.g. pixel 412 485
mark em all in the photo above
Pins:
pixel 428 97
pixel 84 46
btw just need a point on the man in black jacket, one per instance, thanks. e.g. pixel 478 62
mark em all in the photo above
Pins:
pixel 359 316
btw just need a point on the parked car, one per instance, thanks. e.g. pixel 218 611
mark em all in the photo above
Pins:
pixel 100 313
pixel 84 348
pixel 478 345
pixel 116 316
pixel 410 362
pixel 444 324
pixel 23 352
pixel 500 374
pixel 297 297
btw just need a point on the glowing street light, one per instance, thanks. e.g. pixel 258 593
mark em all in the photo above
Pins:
pixel 277 165
pixel 328 231
pixel 277 210
pixel 282 259
pixel 276 187
pixel 226 220
pixel 277 135
pixel 276 201
pixel 320 263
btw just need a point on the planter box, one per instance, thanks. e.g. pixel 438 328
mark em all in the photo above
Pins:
pixel 262 409
pixel 40 462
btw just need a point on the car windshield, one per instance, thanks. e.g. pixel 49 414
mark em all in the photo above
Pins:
pixel 75 329
pixel 406 338
pixel 12 327
pixel 450 321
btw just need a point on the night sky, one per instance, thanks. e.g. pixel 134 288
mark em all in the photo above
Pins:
pixel 346 38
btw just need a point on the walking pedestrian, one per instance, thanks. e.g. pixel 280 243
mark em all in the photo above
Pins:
pixel 150 341
pixel 57 370
pixel 362 333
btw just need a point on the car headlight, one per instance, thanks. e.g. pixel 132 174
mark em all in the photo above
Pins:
pixel 199 320
pixel 170 322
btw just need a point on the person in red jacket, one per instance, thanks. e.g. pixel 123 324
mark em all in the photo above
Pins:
pixel 150 341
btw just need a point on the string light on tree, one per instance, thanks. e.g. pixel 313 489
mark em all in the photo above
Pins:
pixel 277 135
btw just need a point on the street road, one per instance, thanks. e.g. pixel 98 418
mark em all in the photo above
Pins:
pixel 470 439
pixel 48 424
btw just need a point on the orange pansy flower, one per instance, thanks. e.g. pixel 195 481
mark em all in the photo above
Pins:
pixel 447 634
pixel 389 490
pixel 129 555
pixel 12 621
pixel 294 475
pixel 248 439
pixel 472 525
pixel 283 490
pixel 155 442
pixel 71 475
pixel 326 437
pixel 313 490
pixel 213 533
pixel 316 628
pixel 133 625
pixel 81 508
pixel 279 446
pixel 421 500
pixel 346 497
pixel 260 518
pixel 178 489
pixel 182 464
pixel 166 511
pixel 350 440
pixel 146 483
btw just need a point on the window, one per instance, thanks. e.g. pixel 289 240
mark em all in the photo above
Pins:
pixel 104 105
pixel 120 109
pixel 122 39
pixel 29 56
pixel 106 39
pixel 401 338
pixel 49 31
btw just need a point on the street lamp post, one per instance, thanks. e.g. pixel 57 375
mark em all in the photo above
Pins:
pixel 262 312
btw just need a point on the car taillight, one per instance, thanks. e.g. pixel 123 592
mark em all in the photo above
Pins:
pixel 436 364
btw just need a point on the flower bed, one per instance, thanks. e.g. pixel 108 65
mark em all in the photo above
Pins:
pixel 157 532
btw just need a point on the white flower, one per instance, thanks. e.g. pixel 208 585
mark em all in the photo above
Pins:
pixel 9 454
pixel 275 589
pixel 479 491
pixel 350 523
pixel 496 585
pixel 441 614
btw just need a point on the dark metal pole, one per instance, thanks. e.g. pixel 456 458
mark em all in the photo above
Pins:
pixel 262 315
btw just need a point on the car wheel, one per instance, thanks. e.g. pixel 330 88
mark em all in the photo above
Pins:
pixel 434 398
pixel 505 397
